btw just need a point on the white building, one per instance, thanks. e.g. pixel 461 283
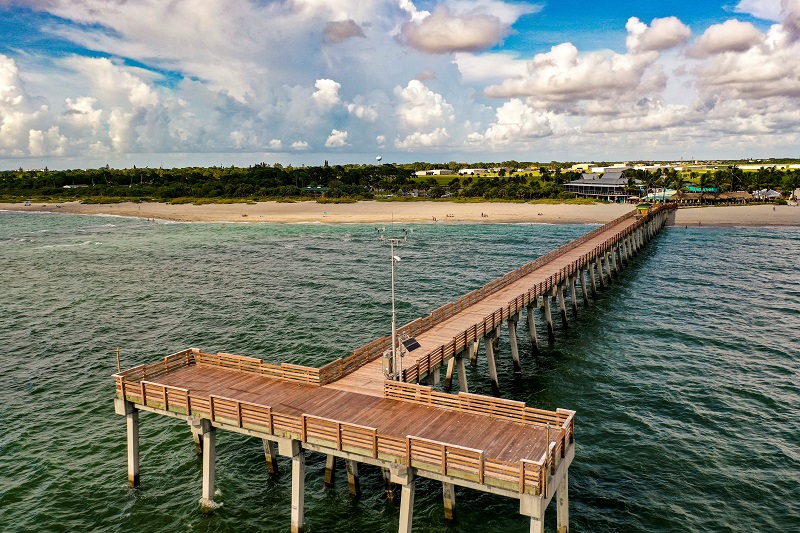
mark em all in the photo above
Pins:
pixel 472 171
pixel 434 172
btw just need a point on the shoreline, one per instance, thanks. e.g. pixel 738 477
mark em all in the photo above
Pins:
pixel 417 212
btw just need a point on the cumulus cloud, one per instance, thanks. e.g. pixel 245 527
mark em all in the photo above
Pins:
pixel 443 32
pixel 730 36
pixel 327 94
pixel 336 139
pixel 416 15
pixel 363 111
pixel 236 89
pixel 435 138
pixel 341 30
pixel 517 122
pixel 489 67
pixel 791 20
pixel 420 108
pixel 26 126
pixel 300 145
pixel 763 9
pixel 768 70
pixel 564 75
pixel 663 33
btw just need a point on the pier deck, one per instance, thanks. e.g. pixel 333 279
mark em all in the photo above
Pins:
pixel 348 409
pixel 504 441
pixel 368 379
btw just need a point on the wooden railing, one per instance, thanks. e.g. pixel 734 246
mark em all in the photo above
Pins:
pixel 438 355
pixel 240 363
pixel 525 476
pixel 369 352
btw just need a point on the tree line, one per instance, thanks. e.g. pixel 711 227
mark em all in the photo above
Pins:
pixel 263 181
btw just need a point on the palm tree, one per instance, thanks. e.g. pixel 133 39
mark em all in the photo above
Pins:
pixel 703 185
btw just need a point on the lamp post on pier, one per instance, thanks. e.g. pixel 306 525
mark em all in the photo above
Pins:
pixel 395 360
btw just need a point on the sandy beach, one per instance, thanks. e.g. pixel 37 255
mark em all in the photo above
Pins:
pixel 433 212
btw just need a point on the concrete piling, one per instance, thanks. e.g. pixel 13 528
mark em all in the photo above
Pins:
pixel 209 465
pixel 512 340
pixel 573 297
pixel 132 424
pixel 548 316
pixel 532 327
pixel 562 305
pixel 489 346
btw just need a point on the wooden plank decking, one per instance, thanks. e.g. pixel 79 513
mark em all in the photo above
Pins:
pixel 348 409
pixel 506 441
pixel 369 378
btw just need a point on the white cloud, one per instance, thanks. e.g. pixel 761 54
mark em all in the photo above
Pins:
pixel 420 108
pixel 763 9
pixel 327 94
pixel 23 119
pixel 730 36
pixel 445 32
pixel 517 122
pixel 236 89
pixel 300 145
pixel 489 67
pixel 564 75
pixel 416 15
pixel 50 142
pixel 433 139
pixel 791 20
pixel 336 139
pixel 363 111
pixel 663 33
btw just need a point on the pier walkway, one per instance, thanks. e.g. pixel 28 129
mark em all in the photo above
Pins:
pixel 349 410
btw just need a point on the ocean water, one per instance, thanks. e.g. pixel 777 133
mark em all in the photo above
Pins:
pixel 684 372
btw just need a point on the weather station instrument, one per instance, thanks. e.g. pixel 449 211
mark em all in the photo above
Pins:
pixel 393 357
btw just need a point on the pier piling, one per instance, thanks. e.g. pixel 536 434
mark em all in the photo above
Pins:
pixel 197 434
pixel 584 292
pixel 449 495
pixel 353 483
pixel 562 505
pixel 532 327
pixel 548 316
pixel 209 465
pixel 573 296
pixel 330 471
pixel 406 501
pixel 298 457
pixel 562 305
pixel 127 408
pixel 489 345
pixel 271 457
pixel 512 340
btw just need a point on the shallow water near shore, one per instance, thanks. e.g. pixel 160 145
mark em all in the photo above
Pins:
pixel 684 372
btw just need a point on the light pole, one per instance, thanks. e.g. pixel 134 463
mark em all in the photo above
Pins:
pixel 392 241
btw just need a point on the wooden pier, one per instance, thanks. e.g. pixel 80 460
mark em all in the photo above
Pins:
pixel 348 410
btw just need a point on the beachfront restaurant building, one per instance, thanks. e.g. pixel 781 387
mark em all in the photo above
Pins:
pixel 610 186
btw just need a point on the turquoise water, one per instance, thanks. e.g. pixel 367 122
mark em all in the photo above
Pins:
pixel 684 373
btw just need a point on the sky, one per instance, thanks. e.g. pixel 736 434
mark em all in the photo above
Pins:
pixel 85 83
